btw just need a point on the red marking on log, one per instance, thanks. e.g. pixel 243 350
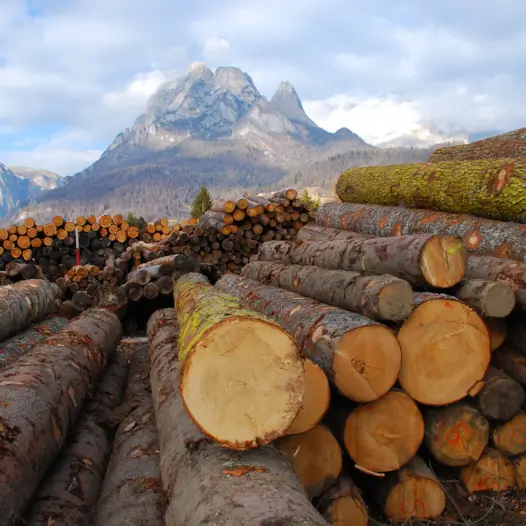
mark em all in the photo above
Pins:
pixel 243 470
pixel 382 222
pixel 453 436
pixel 397 230
pixel 416 502
pixel 473 239
pixel 503 251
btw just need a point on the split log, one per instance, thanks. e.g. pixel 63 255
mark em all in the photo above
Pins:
pixel 439 261
pixel 445 350
pixel 360 357
pixel 510 437
pixel 376 297
pixel 519 464
pixel 456 435
pixel 492 472
pixel 481 236
pixel 493 299
pixel 498 332
pixel 221 341
pixel 132 490
pixel 42 396
pixel 492 188
pixel 257 486
pixel 512 362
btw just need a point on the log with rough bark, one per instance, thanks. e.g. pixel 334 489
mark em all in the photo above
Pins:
pixel 456 435
pixel 439 261
pixel 313 232
pixel 519 463
pixel 494 299
pixel 376 297
pixel 491 472
pixel 360 357
pixel 512 362
pixel 488 188
pixel 510 437
pixel 68 310
pixel 203 481
pixel 498 331
pixel 42 395
pixel 481 236
pixel 242 376
pixel 132 491
pixel 445 350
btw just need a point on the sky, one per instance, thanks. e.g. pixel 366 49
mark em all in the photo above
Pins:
pixel 74 73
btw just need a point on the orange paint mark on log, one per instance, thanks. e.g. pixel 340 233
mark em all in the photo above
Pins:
pixel 473 239
pixel 448 305
pixel 383 221
pixel 517 439
pixel 243 470
pixel 503 251
pixel 296 282
pixel 454 436
pixel 499 182
pixel 487 483
pixel 397 230
pixel 416 503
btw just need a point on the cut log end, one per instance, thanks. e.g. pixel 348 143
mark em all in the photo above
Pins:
pixel 510 437
pixel 520 471
pixel 395 301
pixel 492 472
pixel 443 260
pixel 243 383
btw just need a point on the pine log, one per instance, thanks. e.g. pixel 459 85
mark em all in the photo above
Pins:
pixel 493 188
pixel 519 464
pixel 153 272
pixel 165 285
pixel 376 297
pixel 481 236
pixel 498 332
pixel 313 232
pixel 360 357
pixel 501 397
pixel 42 395
pixel 492 472
pixel 512 362
pixel 493 299
pixel 233 339
pixel 250 487
pixel 439 261
pixel 456 435
pixel 510 437
pixel 445 350
pixel 412 492
pixel 132 490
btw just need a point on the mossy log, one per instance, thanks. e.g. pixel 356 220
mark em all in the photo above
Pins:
pixel 492 188
pixel 242 376
pixel 446 350
pixel 456 435
pixel 204 482
pixel 360 357
pixel 519 463
pixel 493 471
pixel 512 362
pixel 481 236
pixel 439 261
pixel 42 395
pixel 494 299
pixel 377 297
pixel 510 437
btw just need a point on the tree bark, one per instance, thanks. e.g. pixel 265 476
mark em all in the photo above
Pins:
pixel 221 341
pixel 445 350
pixel 202 480
pixel 319 233
pixel 42 396
pixel 493 299
pixel 439 261
pixel 512 362
pixel 492 188
pixel 481 236
pixel 492 472
pixel 510 437
pixel 360 357
pixel 376 297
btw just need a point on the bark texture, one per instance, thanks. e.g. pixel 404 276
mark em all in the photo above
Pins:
pixel 493 299
pixel 312 232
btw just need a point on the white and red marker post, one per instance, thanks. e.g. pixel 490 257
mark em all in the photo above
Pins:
pixel 77 247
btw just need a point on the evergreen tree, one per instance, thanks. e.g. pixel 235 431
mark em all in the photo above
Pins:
pixel 202 203
pixel 314 202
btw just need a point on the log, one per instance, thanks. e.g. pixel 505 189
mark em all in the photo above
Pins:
pixel 517 336
pixel 150 291
pixel 256 486
pixel 501 397
pixel 512 362
pixel 215 326
pixel 42 396
pixel 439 261
pixel 68 310
pixel 510 437
pixel 456 435
pixel 313 232
pixel 498 332
pixel 492 472
pixel 492 188
pixel 493 299
pixel 445 350
pixel 376 297
pixel 132 490
pixel 153 272
pixel 165 285
pixel 519 463
pixel 481 236
pixel 81 300
pixel 360 357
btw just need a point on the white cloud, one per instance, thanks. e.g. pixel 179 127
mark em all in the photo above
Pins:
pixel 215 49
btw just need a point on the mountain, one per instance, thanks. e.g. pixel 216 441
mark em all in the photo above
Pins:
pixel 40 180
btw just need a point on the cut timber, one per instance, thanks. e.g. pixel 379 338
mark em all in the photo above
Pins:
pixel 315 456
pixel 242 377
pixel 512 362
pixel 250 487
pixel 439 261
pixel 493 299
pixel 360 357
pixel 501 397
pixel 481 236
pixel 376 297
pixel 319 233
pixel 456 435
pixel 42 395
pixel 343 505
pixel 445 350
pixel 520 471
pixel 510 438
pixel 132 490
pixel 493 188
pixel 411 492
pixel 492 472
pixel 498 332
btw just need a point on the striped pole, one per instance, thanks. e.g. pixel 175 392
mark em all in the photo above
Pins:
pixel 77 247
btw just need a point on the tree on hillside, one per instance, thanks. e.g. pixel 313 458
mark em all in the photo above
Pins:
pixel 202 203
pixel 306 198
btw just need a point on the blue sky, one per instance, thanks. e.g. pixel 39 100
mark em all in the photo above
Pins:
pixel 73 73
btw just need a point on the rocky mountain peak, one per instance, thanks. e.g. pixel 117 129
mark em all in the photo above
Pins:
pixel 287 101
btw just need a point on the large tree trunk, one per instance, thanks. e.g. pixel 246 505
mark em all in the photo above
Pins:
pixel 376 297
pixel 445 350
pixel 439 261
pixel 360 357
pixel 491 472
pixel 481 236
pixel 487 188
pixel 493 299
pixel 132 490
pixel 202 480
pixel 224 346
pixel 42 396
pixel 510 437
